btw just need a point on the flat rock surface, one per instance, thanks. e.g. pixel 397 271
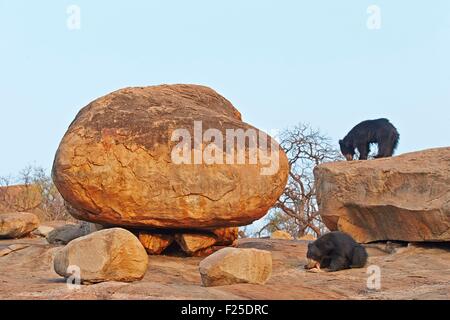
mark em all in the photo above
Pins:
pixel 413 272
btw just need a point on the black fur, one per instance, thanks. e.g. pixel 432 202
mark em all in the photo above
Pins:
pixel 336 251
pixel 379 131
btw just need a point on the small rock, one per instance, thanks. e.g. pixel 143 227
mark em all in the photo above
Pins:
pixel 386 247
pixel 91 227
pixel 67 233
pixel 43 231
pixel 232 265
pixel 107 255
pixel 17 224
pixel 191 242
pixel 155 243
pixel 281 235
pixel 226 236
pixel 307 237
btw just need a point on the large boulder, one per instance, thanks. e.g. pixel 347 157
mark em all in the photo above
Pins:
pixel 134 158
pixel 17 224
pixel 231 265
pixel 108 255
pixel 403 198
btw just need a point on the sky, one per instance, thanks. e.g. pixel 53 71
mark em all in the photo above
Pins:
pixel 279 62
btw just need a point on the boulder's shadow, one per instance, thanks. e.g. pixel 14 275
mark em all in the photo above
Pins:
pixel 53 280
pixel 432 245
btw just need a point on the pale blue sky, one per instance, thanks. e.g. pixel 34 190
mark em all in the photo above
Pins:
pixel 279 62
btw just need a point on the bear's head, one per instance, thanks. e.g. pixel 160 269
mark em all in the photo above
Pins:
pixel 319 249
pixel 347 150
pixel 313 252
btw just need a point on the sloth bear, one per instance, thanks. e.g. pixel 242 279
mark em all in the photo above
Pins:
pixel 336 251
pixel 379 131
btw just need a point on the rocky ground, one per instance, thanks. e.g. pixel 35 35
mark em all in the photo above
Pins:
pixel 413 272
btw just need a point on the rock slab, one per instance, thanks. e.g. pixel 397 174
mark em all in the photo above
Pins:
pixel 107 255
pixel 405 198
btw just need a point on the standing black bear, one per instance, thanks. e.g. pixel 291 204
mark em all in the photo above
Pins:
pixel 336 251
pixel 379 131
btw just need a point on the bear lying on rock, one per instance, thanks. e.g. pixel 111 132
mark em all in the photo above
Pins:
pixel 336 251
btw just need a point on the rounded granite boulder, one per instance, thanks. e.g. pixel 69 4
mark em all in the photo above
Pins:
pixel 169 156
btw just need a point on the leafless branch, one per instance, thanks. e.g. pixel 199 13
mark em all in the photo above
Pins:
pixel 296 210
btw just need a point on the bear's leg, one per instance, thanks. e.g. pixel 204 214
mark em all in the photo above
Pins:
pixel 338 263
pixel 359 257
pixel 363 151
pixel 390 146
pixel 385 149
pixel 386 145
pixel 325 262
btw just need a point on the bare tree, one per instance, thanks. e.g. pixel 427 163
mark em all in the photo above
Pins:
pixel 52 203
pixel 296 210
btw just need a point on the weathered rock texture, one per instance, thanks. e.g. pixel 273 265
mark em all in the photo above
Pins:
pixel 12 248
pixel 114 164
pixel 17 224
pixel 232 265
pixel 107 255
pixel 401 198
